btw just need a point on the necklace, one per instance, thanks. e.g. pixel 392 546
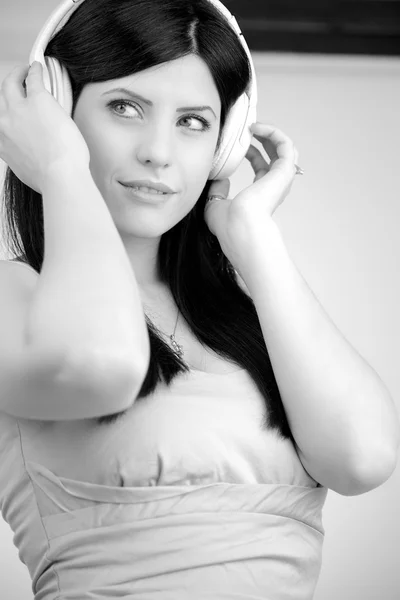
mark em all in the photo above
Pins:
pixel 178 349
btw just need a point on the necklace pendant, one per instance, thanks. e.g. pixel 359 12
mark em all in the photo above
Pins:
pixel 178 349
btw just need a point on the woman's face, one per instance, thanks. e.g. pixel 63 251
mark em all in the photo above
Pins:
pixel 130 139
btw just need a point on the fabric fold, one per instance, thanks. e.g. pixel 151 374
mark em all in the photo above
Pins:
pixel 148 542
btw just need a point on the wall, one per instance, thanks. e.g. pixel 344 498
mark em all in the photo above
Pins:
pixel 340 225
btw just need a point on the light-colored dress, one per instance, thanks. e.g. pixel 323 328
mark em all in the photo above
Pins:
pixel 184 498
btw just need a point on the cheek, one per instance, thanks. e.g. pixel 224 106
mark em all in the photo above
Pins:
pixel 197 167
pixel 101 142
pixel 105 152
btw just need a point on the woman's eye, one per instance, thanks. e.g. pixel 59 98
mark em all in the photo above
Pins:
pixel 118 103
pixel 205 125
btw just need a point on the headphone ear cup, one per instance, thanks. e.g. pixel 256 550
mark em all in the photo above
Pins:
pixel 235 141
pixel 59 83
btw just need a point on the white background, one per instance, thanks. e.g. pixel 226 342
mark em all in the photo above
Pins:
pixel 340 224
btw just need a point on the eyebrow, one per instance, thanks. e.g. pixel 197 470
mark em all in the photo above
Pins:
pixel 149 103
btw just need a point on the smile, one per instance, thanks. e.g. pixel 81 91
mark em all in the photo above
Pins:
pixel 145 194
pixel 147 190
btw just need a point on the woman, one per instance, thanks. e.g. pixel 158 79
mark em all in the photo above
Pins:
pixel 166 452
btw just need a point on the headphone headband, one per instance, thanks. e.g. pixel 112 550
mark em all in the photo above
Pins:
pixel 237 135
pixel 56 21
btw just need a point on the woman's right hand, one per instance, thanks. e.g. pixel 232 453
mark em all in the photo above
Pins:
pixel 35 131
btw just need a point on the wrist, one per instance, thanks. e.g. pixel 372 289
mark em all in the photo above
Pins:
pixel 261 247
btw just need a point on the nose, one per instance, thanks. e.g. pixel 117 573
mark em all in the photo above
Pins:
pixel 155 145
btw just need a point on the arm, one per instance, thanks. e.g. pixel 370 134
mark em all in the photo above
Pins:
pixel 340 413
pixel 86 306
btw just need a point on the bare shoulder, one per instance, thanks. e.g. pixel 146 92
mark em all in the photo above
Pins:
pixel 17 263
pixel 16 276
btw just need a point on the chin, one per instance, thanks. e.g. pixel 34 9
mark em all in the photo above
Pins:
pixel 140 232
pixel 142 228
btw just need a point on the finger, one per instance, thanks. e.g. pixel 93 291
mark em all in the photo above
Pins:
pixel 220 187
pixel 34 80
pixel 275 142
pixel 12 85
pixel 268 146
pixel 257 161
pixel 279 145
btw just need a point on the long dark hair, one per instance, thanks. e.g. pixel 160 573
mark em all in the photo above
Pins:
pixel 110 39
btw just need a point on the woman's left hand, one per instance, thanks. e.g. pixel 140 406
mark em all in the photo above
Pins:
pixel 239 222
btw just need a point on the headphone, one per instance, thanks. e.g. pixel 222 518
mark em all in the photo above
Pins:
pixel 236 137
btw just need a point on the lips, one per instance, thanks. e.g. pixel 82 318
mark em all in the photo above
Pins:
pixel 147 197
pixel 153 185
